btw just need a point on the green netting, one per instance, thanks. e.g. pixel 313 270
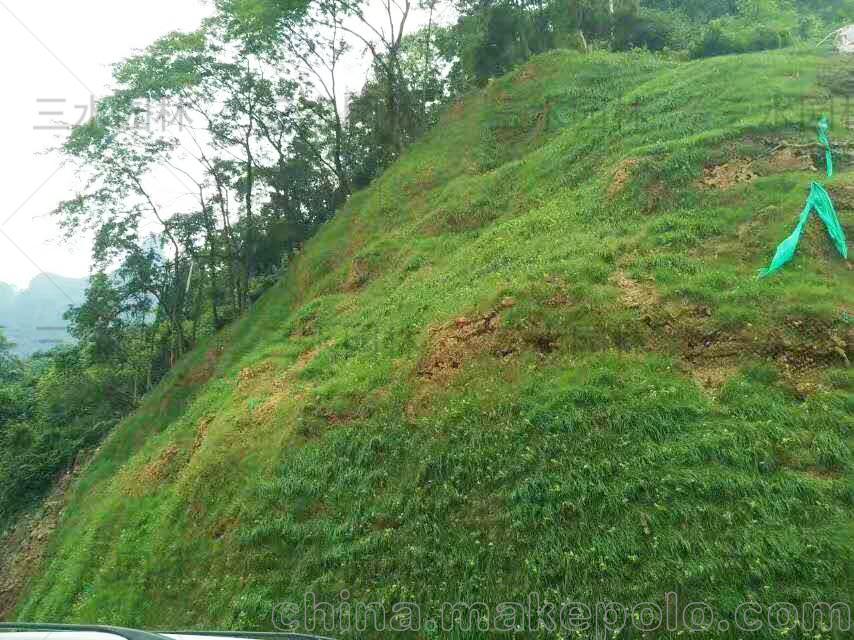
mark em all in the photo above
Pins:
pixel 823 205
pixel 823 129
pixel 820 201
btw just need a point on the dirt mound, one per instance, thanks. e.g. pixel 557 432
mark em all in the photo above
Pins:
pixel 729 174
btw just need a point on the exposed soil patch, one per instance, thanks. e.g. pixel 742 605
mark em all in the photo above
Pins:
pixel 634 294
pixel 541 123
pixel 621 177
pixel 358 276
pixel 527 74
pixel 384 523
pixel 425 180
pixel 203 372
pixel 843 197
pixel 22 549
pixel 456 342
pixel 789 159
pixel 307 327
pixel 251 378
pixel 729 174
pixel 225 527
pixel 780 157
pixel 711 358
pixel 712 375
pixel 820 473
pixel 308 357
pixel 559 299
pixel 800 349
pixel 168 464
pixel 657 193
pixel 201 434
pixel 560 296
pixel 815 241
pixel 249 374
pixel 340 419
pixel 283 387
pixel 806 343
pixel 155 473
pixel 463 339
pixel 267 411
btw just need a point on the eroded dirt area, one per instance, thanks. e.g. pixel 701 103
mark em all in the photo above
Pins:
pixel 22 549
pixel 621 177
pixel 729 174
pixel 781 157
pixel 800 348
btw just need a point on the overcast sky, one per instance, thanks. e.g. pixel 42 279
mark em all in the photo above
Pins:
pixel 55 61
pixel 59 51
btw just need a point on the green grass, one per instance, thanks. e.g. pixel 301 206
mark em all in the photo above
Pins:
pixel 642 415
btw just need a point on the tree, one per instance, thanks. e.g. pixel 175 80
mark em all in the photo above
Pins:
pixel 9 364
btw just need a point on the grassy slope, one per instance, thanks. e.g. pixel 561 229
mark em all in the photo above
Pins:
pixel 496 373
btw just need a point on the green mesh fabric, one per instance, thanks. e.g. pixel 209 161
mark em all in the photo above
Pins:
pixel 820 202
pixel 823 129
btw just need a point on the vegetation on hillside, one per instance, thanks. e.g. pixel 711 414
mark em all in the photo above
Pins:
pixel 248 113
pixel 53 406
pixel 533 356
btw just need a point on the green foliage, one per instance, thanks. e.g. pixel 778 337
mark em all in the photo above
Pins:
pixel 530 331
pixel 503 370
pixel 656 30
pixel 52 407
pixel 9 364
pixel 493 37
pixel 757 27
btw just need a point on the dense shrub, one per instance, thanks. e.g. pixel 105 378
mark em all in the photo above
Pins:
pixel 52 407
pixel 655 30
pixel 735 35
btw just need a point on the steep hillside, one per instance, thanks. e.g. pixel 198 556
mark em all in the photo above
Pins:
pixel 533 357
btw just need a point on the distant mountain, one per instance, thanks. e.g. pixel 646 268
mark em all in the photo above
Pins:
pixel 7 296
pixel 32 318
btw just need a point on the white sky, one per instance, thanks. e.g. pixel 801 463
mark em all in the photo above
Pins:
pixel 56 50
pixel 55 56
